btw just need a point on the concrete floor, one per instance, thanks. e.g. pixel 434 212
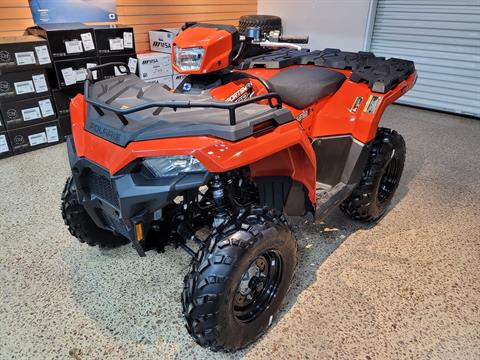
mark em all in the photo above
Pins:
pixel 408 287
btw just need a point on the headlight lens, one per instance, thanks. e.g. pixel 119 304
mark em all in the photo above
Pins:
pixel 169 166
pixel 189 58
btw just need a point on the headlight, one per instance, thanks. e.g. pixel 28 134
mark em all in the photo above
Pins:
pixel 189 58
pixel 169 166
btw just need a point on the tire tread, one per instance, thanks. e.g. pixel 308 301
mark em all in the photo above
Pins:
pixel 79 223
pixel 358 205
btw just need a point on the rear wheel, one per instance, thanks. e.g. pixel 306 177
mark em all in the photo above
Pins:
pixel 238 282
pixel 371 198
pixel 266 23
pixel 81 225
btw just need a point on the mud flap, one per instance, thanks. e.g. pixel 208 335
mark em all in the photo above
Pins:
pixel 137 246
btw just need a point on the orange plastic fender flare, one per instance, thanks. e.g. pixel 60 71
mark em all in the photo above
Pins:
pixel 283 151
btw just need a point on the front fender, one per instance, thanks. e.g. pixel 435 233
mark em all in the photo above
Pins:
pixel 283 151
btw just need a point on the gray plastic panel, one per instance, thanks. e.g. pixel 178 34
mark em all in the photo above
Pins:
pixel 380 74
pixel 159 123
pixel 336 58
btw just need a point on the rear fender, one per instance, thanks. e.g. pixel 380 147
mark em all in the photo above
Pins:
pixel 354 109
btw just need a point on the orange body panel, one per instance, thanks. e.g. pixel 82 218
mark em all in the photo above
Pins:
pixel 332 115
pixel 216 43
pixel 285 150
pixel 288 144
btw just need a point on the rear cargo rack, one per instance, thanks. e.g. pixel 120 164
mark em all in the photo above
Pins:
pixel 379 73
pixel 172 104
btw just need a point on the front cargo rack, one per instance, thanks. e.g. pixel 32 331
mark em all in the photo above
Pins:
pixel 173 104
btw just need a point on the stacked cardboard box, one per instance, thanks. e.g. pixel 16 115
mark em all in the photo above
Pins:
pixel 27 115
pixel 156 66
pixel 116 43
pixel 78 47
pixel 73 51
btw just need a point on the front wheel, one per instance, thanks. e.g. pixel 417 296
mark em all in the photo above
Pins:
pixel 81 225
pixel 238 282
pixel 370 199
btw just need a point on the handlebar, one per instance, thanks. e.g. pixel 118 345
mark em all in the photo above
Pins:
pixel 294 39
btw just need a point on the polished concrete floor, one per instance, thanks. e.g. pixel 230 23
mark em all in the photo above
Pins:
pixel 407 287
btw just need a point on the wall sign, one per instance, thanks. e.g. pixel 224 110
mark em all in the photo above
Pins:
pixel 72 11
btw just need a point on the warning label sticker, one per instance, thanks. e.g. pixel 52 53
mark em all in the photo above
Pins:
pixel 372 104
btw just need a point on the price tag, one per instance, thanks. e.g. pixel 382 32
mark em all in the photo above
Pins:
pixel 31 114
pixel 3 144
pixel 87 41
pixel 24 87
pixel 128 40
pixel 73 46
pixel 43 54
pixel 116 44
pixel 37 139
pixel 40 83
pixel 46 108
pixel 25 58
pixel 81 75
pixel 132 65
pixel 94 73
pixel 52 133
pixel 69 76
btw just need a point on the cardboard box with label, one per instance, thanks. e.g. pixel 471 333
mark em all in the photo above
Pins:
pixel 161 40
pixel 34 137
pixel 27 112
pixel 72 72
pixel 5 148
pixel 114 39
pixel 109 72
pixel 67 41
pixel 21 53
pixel 178 79
pixel 154 65
pixel 65 125
pixel 62 98
pixel 23 85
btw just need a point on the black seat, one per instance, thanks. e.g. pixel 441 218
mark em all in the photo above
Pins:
pixel 302 86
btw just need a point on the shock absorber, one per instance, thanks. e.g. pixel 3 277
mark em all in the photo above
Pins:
pixel 218 193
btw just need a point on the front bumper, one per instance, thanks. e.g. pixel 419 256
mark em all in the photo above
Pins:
pixel 117 202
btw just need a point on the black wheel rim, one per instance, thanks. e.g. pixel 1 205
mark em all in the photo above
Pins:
pixel 389 180
pixel 258 286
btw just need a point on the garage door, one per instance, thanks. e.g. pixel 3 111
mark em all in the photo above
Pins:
pixel 443 39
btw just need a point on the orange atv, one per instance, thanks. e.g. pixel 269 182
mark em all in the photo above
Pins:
pixel 259 129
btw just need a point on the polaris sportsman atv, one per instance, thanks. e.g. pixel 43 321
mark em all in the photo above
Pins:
pixel 218 163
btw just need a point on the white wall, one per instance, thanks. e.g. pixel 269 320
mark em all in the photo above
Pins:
pixel 330 23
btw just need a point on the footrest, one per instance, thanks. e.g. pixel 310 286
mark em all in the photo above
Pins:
pixel 328 200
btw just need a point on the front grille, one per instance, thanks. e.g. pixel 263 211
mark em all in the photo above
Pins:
pixel 102 187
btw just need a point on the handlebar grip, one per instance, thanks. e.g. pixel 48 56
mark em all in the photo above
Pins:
pixel 294 39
